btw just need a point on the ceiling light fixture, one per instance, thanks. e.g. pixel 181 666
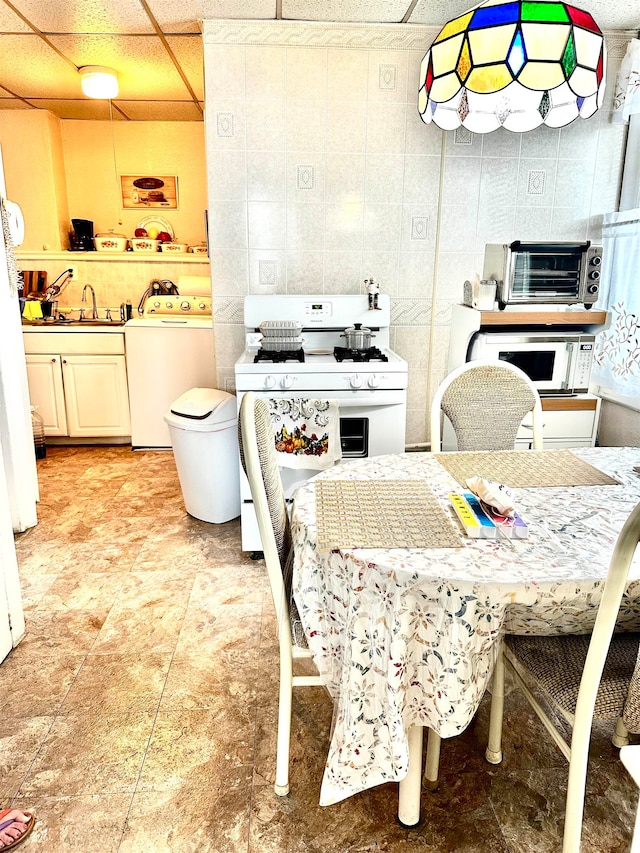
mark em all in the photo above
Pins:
pixel 515 64
pixel 97 81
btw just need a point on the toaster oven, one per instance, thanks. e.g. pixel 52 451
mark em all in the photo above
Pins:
pixel 544 273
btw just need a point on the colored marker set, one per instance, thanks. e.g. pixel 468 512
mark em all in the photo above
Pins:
pixel 479 523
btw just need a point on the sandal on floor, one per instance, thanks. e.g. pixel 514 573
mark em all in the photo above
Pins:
pixel 6 823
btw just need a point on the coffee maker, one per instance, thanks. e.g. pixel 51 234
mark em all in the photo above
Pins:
pixel 82 237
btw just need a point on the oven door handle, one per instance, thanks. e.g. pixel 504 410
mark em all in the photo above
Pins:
pixel 359 400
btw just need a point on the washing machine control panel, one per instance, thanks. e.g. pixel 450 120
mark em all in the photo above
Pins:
pixel 166 304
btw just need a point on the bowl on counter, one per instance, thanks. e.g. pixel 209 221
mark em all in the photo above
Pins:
pixel 175 248
pixel 144 244
pixel 198 250
pixel 110 242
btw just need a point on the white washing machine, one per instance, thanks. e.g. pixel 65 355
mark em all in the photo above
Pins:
pixel 169 349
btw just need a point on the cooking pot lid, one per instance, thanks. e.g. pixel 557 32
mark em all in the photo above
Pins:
pixel 110 234
pixel 358 327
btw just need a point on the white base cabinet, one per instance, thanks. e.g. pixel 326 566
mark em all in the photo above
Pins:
pixel 79 394
pixel 567 421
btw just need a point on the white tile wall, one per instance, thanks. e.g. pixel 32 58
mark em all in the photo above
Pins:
pixel 321 174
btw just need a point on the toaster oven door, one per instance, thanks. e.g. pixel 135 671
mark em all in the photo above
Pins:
pixel 546 273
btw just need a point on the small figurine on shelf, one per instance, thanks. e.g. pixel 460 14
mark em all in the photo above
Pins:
pixel 373 290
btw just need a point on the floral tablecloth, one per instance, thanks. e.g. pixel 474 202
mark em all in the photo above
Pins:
pixel 408 637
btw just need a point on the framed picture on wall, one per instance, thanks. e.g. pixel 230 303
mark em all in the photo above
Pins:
pixel 143 193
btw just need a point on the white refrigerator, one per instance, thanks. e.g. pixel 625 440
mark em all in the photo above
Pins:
pixel 18 474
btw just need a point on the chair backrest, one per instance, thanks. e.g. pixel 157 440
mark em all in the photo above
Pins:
pixel 260 464
pixel 486 402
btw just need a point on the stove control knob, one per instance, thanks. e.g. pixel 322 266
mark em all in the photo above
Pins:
pixel 202 306
pixel 269 382
pixel 156 304
pixel 374 381
pixel 185 306
pixel 286 381
pixel 355 381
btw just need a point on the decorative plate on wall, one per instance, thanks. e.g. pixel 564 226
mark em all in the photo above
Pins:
pixel 156 222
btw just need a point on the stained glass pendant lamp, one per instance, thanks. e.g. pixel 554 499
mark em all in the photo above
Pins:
pixel 515 64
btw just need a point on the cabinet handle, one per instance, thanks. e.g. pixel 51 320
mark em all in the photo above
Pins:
pixel 53 360
pixel 64 360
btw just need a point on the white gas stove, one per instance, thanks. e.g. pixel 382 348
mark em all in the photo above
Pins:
pixel 370 385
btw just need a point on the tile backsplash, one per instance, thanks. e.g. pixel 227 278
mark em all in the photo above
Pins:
pixel 321 174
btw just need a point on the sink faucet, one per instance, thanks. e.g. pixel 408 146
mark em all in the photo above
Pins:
pixel 94 310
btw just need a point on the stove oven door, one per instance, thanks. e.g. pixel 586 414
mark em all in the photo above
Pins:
pixel 371 423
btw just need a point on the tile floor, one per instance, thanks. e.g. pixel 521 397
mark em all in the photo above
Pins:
pixel 138 713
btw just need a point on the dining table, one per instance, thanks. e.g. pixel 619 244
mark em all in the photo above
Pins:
pixel 403 613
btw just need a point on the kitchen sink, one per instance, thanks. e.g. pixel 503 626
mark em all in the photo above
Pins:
pixel 87 323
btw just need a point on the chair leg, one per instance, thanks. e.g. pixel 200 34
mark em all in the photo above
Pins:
pixel 432 764
pixel 409 793
pixel 285 696
pixel 493 752
pixel 620 735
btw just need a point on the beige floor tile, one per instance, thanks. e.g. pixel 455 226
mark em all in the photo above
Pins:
pixel 193 747
pixel 210 817
pixel 119 682
pixel 20 740
pixel 32 685
pixel 82 824
pixel 145 628
pixel 61 633
pixel 92 752
pixel 211 680
pixel 95 590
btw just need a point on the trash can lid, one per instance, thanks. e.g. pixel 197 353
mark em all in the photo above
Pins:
pixel 211 404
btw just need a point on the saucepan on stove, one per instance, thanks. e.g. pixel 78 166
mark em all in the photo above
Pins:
pixel 358 337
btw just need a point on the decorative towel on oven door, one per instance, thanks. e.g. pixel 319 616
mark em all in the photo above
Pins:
pixel 307 432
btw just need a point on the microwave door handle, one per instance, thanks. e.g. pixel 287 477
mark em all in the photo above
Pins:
pixel 568 383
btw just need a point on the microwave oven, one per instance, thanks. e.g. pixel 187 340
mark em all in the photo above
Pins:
pixel 544 273
pixel 556 364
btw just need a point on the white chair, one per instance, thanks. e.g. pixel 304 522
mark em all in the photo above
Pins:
pixel 581 677
pixel 258 454
pixel 486 402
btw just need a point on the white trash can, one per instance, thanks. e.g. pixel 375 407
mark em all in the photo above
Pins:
pixel 203 425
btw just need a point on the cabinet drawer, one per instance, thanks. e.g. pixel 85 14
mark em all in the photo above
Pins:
pixel 74 343
pixel 567 424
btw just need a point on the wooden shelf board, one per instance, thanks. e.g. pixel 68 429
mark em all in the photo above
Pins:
pixel 543 318
pixel 569 404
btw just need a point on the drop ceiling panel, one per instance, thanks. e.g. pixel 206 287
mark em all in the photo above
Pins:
pixel 13 104
pixel 161 110
pixel 10 22
pixel 29 68
pixel 375 11
pixel 249 9
pixel 144 67
pixel 188 52
pixel 86 16
pixel 70 108
pixel 179 17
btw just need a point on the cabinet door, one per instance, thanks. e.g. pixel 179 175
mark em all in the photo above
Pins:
pixel 46 391
pixel 96 395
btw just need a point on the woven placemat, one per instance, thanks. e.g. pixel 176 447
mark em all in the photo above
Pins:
pixel 381 514
pixel 525 469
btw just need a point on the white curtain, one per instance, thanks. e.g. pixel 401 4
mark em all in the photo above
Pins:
pixel 617 355
pixel 626 110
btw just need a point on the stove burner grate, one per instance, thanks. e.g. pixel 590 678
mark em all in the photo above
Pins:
pixel 369 354
pixel 279 355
